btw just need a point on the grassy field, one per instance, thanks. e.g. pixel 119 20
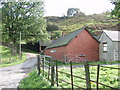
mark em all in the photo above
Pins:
pixel 7 59
pixel 108 77
pixel 34 81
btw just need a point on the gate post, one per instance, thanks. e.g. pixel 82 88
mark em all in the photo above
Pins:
pixel 38 64
pixel 87 74
pixel 71 71
pixel 52 73
pixel 98 71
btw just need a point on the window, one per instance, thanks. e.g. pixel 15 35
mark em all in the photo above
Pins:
pixel 52 51
pixel 104 47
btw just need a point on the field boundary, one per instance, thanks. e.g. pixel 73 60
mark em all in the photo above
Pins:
pixel 52 72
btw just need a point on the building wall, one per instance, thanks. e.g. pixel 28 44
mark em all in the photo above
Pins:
pixel 59 54
pixel 109 55
pixel 119 50
pixel 116 51
pixel 84 44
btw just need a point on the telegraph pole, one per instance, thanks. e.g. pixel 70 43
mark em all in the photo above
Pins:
pixel 20 47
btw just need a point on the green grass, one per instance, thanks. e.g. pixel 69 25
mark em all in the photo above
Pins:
pixel 60 63
pixel 94 23
pixel 107 76
pixel 104 62
pixel 34 81
pixel 7 59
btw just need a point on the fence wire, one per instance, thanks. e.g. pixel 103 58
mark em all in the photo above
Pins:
pixel 53 72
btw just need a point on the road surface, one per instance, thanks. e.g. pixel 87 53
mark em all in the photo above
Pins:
pixel 11 76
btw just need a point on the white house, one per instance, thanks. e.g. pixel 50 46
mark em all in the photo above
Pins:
pixel 109 48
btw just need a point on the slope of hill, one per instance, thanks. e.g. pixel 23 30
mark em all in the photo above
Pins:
pixel 95 23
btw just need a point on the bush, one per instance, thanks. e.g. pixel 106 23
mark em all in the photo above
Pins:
pixel 52 27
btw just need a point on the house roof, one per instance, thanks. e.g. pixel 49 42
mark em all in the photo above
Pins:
pixel 113 35
pixel 64 40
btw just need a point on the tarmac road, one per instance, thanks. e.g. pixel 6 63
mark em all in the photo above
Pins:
pixel 11 76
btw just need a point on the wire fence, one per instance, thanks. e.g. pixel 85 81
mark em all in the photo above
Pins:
pixel 49 69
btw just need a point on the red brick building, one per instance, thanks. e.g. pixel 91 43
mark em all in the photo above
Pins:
pixel 77 46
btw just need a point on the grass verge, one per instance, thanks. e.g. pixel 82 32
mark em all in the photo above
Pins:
pixel 34 81
pixel 13 63
pixel 6 59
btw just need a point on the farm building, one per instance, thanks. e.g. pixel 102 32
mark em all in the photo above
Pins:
pixel 37 47
pixel 43 45
pixel 109 46
pixel 77 46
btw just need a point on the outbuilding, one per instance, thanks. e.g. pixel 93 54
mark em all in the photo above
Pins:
pixel 77 46
pixel 109 48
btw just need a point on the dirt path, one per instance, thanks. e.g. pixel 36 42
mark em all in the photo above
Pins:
pixel 11 76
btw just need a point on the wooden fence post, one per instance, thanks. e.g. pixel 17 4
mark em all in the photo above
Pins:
pixel 49 69
pixel 87 74
pixel 71 75
pixel 56 73
pixel 98 70
pixel 38 64
pixel 52 73
pixel 43 65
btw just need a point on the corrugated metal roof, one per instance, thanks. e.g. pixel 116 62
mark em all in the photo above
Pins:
pixel 64 40
pixel 113 35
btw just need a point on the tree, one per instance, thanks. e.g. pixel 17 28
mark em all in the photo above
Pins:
pixel 52 27
pixel 74 12
pixel 116 10
pixel 56 35
pixel 0 26
pixel 0 15
pixel 24 17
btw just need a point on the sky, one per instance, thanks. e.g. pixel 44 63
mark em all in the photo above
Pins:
pixel 60 7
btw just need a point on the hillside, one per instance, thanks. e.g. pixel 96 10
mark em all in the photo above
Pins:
pixel 95 23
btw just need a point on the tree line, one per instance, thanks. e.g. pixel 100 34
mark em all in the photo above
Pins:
pixel 25 18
